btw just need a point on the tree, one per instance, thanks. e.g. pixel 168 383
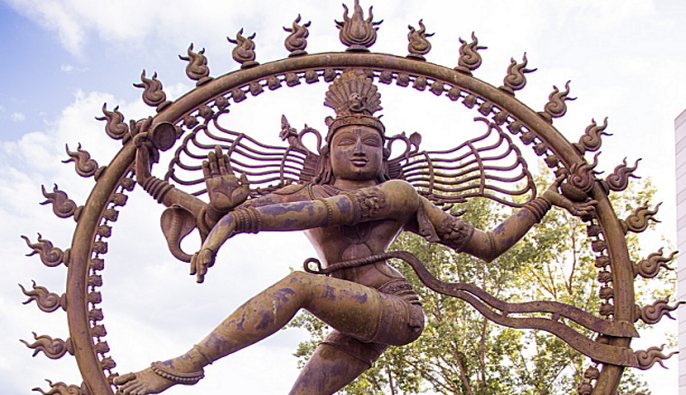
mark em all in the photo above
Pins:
pixel 460 351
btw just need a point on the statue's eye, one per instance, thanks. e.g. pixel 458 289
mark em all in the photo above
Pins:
pixel 345 141
pixel 372 142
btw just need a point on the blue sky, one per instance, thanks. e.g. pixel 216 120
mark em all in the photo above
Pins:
pixel 63 59
pixel 27 76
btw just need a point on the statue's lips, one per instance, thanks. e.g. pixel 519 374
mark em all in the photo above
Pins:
pixel 360 162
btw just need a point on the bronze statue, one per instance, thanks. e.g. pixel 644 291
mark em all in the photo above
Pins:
pixel 353 194
pixel 352 212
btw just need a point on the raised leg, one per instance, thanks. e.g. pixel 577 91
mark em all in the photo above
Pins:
pixel 351 308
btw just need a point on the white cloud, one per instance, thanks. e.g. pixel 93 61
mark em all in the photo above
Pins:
pixel 174 20
pixel 56 16
pixel 117 22
pixel 69 68
pixel 17 117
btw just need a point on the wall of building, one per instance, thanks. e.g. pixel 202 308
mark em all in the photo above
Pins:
pixel 680 137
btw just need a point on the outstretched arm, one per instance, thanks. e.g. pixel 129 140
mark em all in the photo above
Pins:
pixel 457 234
pixel 391 200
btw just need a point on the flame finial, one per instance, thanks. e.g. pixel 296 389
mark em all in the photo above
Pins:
pixel 244 52
pixel 357 33
pixel 418 44
pixel 296 42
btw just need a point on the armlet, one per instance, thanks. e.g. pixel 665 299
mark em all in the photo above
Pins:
pixel 454 232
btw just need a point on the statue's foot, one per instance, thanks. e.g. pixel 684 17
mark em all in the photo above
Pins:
pixel 155 379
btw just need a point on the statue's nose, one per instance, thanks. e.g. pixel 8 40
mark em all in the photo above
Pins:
pixel 359 148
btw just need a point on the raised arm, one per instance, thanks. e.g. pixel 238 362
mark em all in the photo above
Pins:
pixel 160 190
pixel 439 226
pixel 186 212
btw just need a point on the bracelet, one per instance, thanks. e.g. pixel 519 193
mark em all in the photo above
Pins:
pixel 157 188
pixel 538 207
pixel 248 220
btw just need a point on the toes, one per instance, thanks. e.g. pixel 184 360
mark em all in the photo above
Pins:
pixel 124 378
pixel 129 387
pixel 138 390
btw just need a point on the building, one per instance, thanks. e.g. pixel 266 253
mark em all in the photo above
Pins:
pixel 680 165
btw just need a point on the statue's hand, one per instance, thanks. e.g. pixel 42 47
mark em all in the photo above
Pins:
pixel 223 230
pixel 223 188
pixel 201 261
pixel 578 209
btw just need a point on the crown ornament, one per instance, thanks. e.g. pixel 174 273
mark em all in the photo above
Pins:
pixel 355 99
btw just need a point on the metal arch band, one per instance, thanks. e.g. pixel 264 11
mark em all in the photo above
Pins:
pixel 78 266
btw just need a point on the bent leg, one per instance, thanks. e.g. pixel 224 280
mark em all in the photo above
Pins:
pixel 349 307
pixel 337 361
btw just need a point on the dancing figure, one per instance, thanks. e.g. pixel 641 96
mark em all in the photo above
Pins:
pixel 351 212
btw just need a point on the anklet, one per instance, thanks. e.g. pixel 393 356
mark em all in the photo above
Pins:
pixel 202 354
pixel 176 377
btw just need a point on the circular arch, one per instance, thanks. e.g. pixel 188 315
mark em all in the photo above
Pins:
pixel 85 263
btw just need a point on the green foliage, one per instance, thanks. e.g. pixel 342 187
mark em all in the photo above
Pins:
pixel 461 352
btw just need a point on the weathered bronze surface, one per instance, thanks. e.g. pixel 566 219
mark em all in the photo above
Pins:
pixel 352 195
pixel 352 210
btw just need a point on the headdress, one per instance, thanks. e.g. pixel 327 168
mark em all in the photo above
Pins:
pixel 355 99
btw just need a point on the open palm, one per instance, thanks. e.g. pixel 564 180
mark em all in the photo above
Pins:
pixel 224 189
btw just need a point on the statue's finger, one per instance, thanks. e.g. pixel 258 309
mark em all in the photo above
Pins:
pixel 206 170
pixel 218 157
pixel 559 179
pixel 587 207
pixel 244 180
pixel 201 275
pixel 227 163
pixel 245 190
pixel 221 163
pixel 212 159
pixel 208 259
pixel 194 264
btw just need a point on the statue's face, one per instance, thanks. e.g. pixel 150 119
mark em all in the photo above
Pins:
pixel 356 153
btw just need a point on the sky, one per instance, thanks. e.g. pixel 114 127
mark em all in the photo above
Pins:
pixel 65 58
